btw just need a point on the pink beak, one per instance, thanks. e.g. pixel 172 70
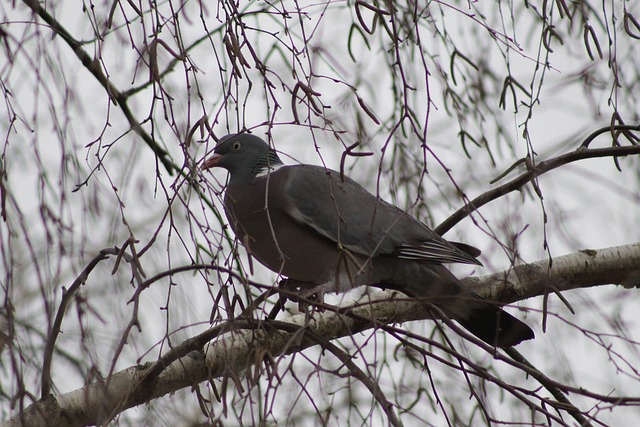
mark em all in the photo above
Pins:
pixel 211 162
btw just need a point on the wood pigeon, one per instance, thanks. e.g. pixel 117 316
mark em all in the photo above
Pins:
pixel 319 228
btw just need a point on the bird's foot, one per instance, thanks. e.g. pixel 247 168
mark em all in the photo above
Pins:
pixel 313 294
pixel 304 293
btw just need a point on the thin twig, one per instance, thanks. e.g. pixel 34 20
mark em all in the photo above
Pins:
pixel 540 168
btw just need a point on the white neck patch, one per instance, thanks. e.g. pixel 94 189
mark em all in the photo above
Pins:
pixel 267 170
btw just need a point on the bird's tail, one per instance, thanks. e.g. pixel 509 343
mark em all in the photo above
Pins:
pixel 491 324
pixel 484 319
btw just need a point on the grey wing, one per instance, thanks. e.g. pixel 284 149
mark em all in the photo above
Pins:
pixel 347 214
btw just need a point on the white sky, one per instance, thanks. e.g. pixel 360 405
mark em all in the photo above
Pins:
pixel 590 204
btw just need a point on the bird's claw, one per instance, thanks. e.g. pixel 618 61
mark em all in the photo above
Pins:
pixel 304 293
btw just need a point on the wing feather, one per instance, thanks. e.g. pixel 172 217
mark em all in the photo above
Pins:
pixel 347 214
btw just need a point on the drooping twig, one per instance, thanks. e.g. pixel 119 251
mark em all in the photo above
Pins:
pixel 540 168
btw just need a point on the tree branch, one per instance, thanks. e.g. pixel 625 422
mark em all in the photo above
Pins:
pixel 246 339
pixel 534 171
pixel 93 66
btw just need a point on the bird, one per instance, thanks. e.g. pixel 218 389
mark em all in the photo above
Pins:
pixel 317 227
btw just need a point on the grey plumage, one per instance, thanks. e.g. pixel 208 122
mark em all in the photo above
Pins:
pixel 309 225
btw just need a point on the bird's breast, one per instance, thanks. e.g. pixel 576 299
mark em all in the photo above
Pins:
pixel 262 225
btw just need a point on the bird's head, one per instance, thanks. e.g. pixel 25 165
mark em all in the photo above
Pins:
pixel 243 155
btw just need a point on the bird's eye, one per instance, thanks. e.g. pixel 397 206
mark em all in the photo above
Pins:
pixel 236 145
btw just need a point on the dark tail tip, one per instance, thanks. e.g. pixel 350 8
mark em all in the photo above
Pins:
pixel 496 327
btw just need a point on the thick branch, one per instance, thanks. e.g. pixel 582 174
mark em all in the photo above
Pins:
pixel 618 265
pixel 244 345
